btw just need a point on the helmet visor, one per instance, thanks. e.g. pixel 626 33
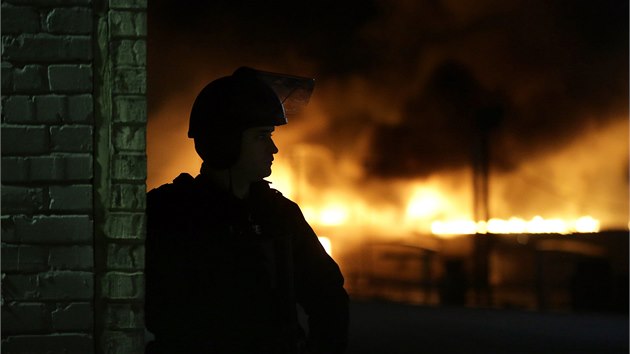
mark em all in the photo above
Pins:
pixel 293 91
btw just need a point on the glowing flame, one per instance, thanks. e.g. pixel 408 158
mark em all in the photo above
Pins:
pixel 454 227
pixel 430 206
pixel 586 224
pixel 327 216
pixel 424 203
pixel 537 225
pixel 335 215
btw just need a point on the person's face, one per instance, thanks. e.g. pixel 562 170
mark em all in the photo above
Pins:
pixel 257 150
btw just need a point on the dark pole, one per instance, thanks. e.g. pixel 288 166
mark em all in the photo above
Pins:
pixel 486 120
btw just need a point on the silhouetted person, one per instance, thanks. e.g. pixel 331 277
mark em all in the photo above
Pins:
pixel 228 257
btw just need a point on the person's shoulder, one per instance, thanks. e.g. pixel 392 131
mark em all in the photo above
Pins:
pixel 264 189
pixel 283 199
pixel 272 198
pixel 168 193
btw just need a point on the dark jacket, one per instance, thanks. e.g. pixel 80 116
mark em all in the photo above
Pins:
pixel 223 275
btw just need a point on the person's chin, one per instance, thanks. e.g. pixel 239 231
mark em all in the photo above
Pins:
pixel 266 172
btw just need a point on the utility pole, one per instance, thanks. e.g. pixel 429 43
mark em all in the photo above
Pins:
pixel 486 119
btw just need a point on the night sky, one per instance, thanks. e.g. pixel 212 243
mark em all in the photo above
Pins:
pixel 413 78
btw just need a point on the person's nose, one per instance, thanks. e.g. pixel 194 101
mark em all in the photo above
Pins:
pixel 272 146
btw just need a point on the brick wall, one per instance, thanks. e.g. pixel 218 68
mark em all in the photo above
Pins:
pixel 73 175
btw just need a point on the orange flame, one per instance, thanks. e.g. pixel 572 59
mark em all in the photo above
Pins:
pixel 429 209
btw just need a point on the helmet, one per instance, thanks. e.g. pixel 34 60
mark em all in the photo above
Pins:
pixel 228 106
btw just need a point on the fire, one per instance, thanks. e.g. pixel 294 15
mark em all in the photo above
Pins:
pixel 586 224
pixel 438 205
pixel 429 209
pixel 514 225
pixel 423 203
pixel 335 215
pixel 327 216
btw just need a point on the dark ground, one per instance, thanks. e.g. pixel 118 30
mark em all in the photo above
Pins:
pixel 388 328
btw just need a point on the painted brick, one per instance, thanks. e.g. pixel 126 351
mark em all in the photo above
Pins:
pixel 75 198
pixel 29 79
pixel 10 257
pixel 127 52
pixel 24 318
pixel 71 138
pixel 20 287
pixel 55 343
pixel 123 342
pixel 53 285
pixel 76 20
pixel 76 316
pixel 78 167
pixel 24 258
pixel 57 168
pixel 127 24
pixel 46 168
pixel 14 169
pixel 129 226
pixel 125 257
pixel 123 286
pixel 129 167
pixel 22 199
pixel 47 48
pixel 32 258
pixel 128 4
pixel 124 316
pixel 19 19
pixel 68 161
pixel 8 229
pixel 7 77
pixel 72 258
pixel 130 81
pixel 129 109
pixel 129 138
pixel 70 78
pixel 80 109
pixel 128 196
pixel 50 108
pixel 14 138
pixel 54 229
pixel 18 109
